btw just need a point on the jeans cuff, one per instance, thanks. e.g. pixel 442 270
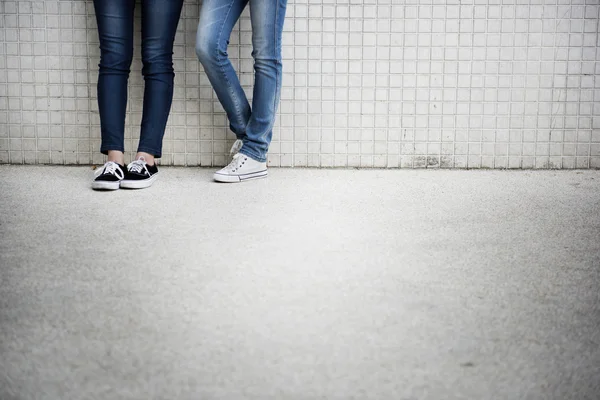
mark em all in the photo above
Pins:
pixel 105 149
pixel 154 152
pixel 252 155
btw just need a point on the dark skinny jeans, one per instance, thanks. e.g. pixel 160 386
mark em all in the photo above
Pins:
pixel 115 30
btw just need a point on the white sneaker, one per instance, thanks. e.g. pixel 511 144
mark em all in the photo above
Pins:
pixel 241 168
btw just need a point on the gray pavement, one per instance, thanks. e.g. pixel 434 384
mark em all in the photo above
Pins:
pixel 312 284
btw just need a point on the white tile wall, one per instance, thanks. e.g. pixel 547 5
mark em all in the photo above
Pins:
pixel 369 83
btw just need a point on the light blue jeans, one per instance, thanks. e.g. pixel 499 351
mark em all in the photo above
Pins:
pixel 253 125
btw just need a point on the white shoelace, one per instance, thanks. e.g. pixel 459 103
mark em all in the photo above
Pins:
pixel 138 166
pixel 237 146
pixel 234 164
pixel 112 168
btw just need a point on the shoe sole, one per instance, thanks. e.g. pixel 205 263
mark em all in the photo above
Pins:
pixel 104 185
pixel 141 184
pixel 239 178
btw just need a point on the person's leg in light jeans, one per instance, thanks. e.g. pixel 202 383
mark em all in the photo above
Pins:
pixel 217 19
pixel 253 125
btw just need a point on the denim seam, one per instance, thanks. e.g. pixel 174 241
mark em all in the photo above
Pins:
pixel 219 59
pixel 277 61
pixel 275 27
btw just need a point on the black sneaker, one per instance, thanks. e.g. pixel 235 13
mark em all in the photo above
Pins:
pixel 109 177
pixel 139 175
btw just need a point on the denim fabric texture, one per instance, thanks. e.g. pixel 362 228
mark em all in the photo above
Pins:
pixel 115 29
pixel 252 124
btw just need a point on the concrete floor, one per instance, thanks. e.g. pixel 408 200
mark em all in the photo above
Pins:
pixel 313 284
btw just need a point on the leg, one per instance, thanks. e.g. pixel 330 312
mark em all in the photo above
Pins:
pixel 217 19
pixel 267 27
pixel 159 25
pixel 115 31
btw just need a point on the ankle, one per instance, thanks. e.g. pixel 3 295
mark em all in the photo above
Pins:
pixel 116 156
pixel 148 157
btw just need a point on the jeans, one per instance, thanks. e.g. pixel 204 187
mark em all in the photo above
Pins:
pixel 253 125
pixel 115 30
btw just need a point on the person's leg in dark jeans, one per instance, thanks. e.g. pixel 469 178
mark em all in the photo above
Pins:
pixel 115 26
pixel 115 31
pixel 159 25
